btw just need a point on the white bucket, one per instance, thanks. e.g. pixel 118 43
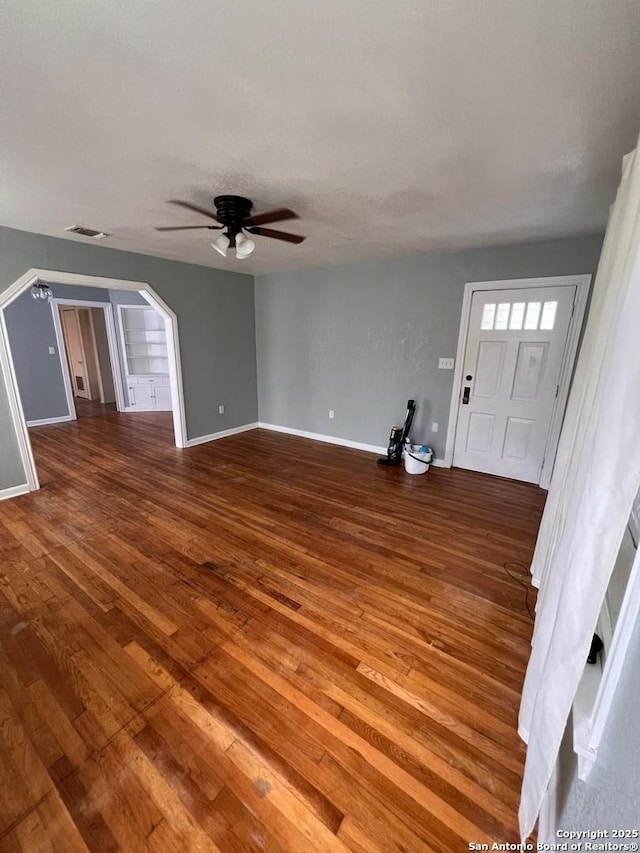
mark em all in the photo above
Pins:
pixel 416 462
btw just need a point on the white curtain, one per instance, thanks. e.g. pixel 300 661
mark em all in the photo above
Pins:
pixel 596 477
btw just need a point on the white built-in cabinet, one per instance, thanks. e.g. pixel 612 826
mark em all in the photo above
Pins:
pixel 144 345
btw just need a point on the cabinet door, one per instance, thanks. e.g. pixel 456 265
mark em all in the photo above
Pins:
pixel 163 397
pixel 140 396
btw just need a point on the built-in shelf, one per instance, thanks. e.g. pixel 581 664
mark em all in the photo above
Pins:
pixel 144 340
pixel 144 346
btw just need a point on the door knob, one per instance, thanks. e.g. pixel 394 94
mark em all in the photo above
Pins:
pixel 465 395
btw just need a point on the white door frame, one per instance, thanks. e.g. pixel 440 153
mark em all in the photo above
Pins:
pixel 25 282
pixel 582 284
pixel 111 341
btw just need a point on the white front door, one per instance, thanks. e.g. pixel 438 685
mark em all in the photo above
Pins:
pixel 511 372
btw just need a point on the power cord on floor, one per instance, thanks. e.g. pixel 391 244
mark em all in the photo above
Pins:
pixel 523 580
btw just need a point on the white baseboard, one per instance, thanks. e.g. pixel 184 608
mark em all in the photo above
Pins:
pixel 14 491
pixel 142 409
pixel 45 421
pixel 329 439
pixel 314 436
pixel 202 439
pixel 332 439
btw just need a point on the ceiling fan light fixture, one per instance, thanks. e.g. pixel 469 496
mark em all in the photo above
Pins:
pixel 221 245
pixel 244 246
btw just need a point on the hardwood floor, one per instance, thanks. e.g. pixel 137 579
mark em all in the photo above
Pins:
pixel 261 643
pixel 91 408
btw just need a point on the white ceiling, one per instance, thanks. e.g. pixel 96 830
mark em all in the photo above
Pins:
pixel 391 126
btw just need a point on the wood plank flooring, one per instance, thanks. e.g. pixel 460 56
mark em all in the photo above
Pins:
pixel 91 408
pixel 262 643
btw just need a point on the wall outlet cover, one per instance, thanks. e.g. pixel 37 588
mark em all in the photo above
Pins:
pixel 221 410
pixel 446 363
pixel 331 413
pixel 434 427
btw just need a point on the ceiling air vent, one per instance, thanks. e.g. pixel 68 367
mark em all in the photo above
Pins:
pixel 87 232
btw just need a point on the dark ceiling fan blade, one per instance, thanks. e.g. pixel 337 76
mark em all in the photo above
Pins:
pixel 271 216
pixel 187 227
pixel 194 207
pixel 277 235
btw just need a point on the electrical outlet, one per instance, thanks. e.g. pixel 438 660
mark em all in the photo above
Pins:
pixel 446 363
pixel 331 413
pixel 52 350
pixel 221 410
pixel 434 427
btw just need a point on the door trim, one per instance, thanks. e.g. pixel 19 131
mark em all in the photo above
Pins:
pixel 107 307
pixel 64 361
pixel 25 282
pixel 582 283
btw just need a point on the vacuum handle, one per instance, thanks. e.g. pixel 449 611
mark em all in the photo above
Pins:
pixel 465 395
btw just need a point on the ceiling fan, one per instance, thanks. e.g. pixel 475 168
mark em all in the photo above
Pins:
pixel 233 212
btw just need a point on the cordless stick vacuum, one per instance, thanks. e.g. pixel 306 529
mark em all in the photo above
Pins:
pixel 398 437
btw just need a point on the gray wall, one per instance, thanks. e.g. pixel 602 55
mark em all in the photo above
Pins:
pixel 72 291
pixel 39 374
pixel 215 312
pixel 11 470
pixel 610 798
pixel 126 297
pixel 362 339
pixel 31 333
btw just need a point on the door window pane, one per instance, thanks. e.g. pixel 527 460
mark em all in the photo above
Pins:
pixel 488 314
pixel 548 315
pixel 532 315
pixel 517 315
pixel 502 318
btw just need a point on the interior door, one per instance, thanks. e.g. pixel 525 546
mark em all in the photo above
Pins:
pixel 513 357
pixel 90 354
pixel 75 353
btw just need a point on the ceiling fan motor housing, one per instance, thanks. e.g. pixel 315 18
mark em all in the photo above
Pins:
pixel 232 210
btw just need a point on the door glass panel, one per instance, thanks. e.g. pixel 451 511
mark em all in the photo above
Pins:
pixel 532 315
pixel 488 314
pixel 517 315
pixel 502 318
pixel 548 315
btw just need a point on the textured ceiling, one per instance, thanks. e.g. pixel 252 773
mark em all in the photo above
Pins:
pixel 391 126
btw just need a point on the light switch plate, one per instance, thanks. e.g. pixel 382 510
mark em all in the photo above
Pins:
pixel 446 363
pixel 52 350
